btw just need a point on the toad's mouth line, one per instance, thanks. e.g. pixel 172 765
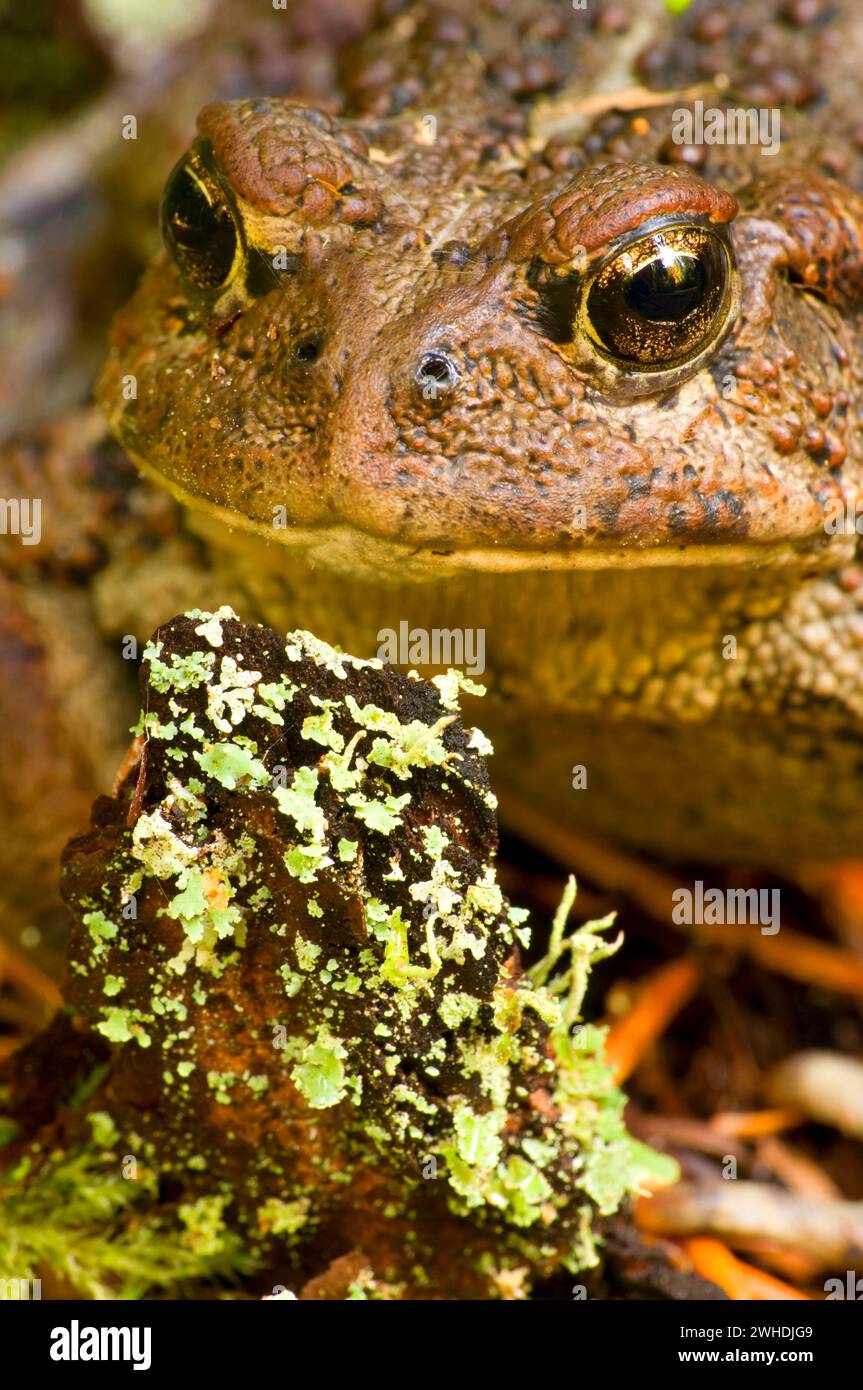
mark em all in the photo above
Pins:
pixel 350 549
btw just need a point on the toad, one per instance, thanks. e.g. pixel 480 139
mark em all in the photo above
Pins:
pixel 486 344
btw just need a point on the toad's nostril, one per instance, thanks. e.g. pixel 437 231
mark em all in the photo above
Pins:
pixel 309 350
pixel 435 374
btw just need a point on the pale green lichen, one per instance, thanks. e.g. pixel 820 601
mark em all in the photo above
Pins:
pixel 305 862
pixel 456 1006
pixel 298 802
pixel 451 684
pixel 584 946
pixel 434 840
pixel 300 645
pixel 124 1025
pixel 319 729
pixel 211 626
pixel 200 918
pixel 406 745
pixel 397 968
pixel 231 698
pixel 158 847
pixel 320 1073
pixel 220 1083
pixel 281 1218
pixel 231 764
pixel 181 672
pixel 380 814
pixel 275 695
pixel 307 952
pixel 101 929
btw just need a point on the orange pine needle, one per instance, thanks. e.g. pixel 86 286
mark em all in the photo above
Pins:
pixel 10 1044
pixel 27 976
pixel 755 1124
pixel 790 1265
pixel 795 955
pixel 660 998
pixel 742 1282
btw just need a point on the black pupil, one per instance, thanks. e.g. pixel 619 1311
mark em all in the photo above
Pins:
pixel 667 292
pixel 198 232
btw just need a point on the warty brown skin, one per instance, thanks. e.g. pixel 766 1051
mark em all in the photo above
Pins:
pixel 610 528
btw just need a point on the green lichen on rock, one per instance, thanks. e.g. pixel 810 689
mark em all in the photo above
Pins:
pixel 321 989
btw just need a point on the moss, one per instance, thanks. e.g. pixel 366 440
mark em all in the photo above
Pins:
pixel 78 1216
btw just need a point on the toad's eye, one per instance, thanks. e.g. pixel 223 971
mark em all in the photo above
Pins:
pixel 197 226
pixel 660 301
